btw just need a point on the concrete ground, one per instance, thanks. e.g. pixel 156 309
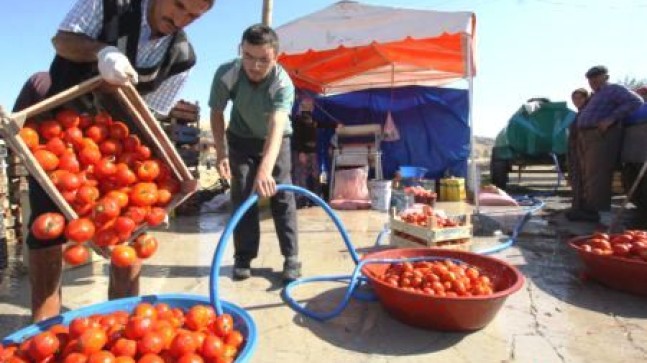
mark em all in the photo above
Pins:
pixel 555 317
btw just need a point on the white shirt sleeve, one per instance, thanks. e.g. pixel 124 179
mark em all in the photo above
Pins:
pixel 86 17
pixel 163 98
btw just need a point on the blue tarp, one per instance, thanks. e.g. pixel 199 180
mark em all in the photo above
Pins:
pixel 432 123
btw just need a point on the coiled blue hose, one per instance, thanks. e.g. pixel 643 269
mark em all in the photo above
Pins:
pixel 355 280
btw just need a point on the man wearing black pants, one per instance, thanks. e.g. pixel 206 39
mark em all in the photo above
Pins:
pixel 262 95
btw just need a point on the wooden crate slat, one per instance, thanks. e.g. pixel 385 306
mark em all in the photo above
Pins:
pixel 158 132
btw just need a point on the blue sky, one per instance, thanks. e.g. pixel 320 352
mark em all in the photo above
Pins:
pixel 525 48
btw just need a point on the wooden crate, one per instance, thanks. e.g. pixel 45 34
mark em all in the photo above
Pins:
pixel 399 239
pixel 433 234
pixel 131 102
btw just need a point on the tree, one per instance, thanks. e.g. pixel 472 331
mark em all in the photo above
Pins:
pixel 632 82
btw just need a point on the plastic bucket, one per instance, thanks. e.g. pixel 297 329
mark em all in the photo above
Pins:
pixel 465 313
pixel 380 192
pixel 615 272
pixel 415 172
pixel 242 320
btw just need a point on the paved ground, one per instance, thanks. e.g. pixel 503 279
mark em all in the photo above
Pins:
pixel 556 317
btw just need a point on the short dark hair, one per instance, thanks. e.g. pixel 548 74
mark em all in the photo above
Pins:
pixel 596 71
pixel 261 34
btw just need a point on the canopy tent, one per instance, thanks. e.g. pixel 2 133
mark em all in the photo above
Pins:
pixel 349 46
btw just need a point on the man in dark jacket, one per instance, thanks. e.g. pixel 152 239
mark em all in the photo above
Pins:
pixel 600 132
pixel 140 41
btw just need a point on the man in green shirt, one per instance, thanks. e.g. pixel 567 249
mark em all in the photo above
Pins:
pixel 258 139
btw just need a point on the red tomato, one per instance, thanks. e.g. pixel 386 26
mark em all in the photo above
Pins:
pixel 106 237
pixel 103 118
pixel 76 255
pixel 143 152
pixel 155 216
pixel 124 347
pixel 70 181
pixel 163 197
pixel 50 129
pixel 137 214
pixel 89 156
pixel 73 136
pixel 97 133
pixel 48 226
pixel 30 137
pixel 131 143
pixel 190 358
pixel 47 159
pixel 223 325
pixel 183 343
pixel 87 194
pixel 212 347
pixel 150 358
pixel 123 256
pixel 124 359
pixel 235 339
pixel 151 342
pixel 124 227
pixel 145 246
pixel 68 118
pixel 69 162
pixel 137 327
pixel 106 209
pixel 148 170
pixel 119 130
pixel 92 340
pixel 105 168
pixel 103 356
pixel 111 147
pixel 76 357
pixel 56 146
pixel 80 230
pixel 43 345
pixel 143 194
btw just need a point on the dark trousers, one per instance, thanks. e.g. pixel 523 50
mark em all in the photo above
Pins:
pixel 245 156
pixel 599 156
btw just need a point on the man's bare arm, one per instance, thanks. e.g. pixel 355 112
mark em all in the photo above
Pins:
pixel 76 47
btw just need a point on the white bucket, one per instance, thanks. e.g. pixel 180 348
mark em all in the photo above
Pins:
pixel 380 192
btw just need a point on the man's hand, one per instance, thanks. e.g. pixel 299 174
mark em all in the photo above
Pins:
pixel 115 67
pixel 223 168
pixel 264 184
pixel 605 124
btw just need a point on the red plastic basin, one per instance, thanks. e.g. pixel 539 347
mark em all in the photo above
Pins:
pixel 615 272
pixel 444 313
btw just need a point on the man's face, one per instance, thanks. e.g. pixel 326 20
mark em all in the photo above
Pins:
pixel 596 82
pixel 169 16
pixel 258 60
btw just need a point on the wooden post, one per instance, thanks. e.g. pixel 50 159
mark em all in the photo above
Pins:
pixel 267 12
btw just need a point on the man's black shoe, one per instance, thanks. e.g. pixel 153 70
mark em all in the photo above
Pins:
pixel 242 270
pixel 291 269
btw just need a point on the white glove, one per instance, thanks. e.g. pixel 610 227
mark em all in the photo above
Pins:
pixel 115 67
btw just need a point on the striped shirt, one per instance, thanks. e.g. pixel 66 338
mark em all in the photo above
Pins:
pixel 86 17
pixel 612 101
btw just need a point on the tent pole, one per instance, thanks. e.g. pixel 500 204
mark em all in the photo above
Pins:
pixel 470 81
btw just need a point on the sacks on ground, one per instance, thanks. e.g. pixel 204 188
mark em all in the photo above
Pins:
pixel 351 189
pixel 490 195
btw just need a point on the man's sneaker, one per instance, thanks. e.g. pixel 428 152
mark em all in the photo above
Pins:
pixel 242 270
pixel 291 269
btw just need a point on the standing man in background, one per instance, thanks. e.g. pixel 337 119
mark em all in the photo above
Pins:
pixel 258 139
pixel 600 133
pixel 140 41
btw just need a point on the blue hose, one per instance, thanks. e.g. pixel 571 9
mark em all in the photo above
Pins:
pixel 354 281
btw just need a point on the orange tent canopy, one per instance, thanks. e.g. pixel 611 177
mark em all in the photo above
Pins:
pixel 350 46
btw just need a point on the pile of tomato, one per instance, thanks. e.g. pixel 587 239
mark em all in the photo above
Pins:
pixel 108 176
pixel 421 195
pixel 150 334
pixel 421 218
pixel 631 244
pixel 444 278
